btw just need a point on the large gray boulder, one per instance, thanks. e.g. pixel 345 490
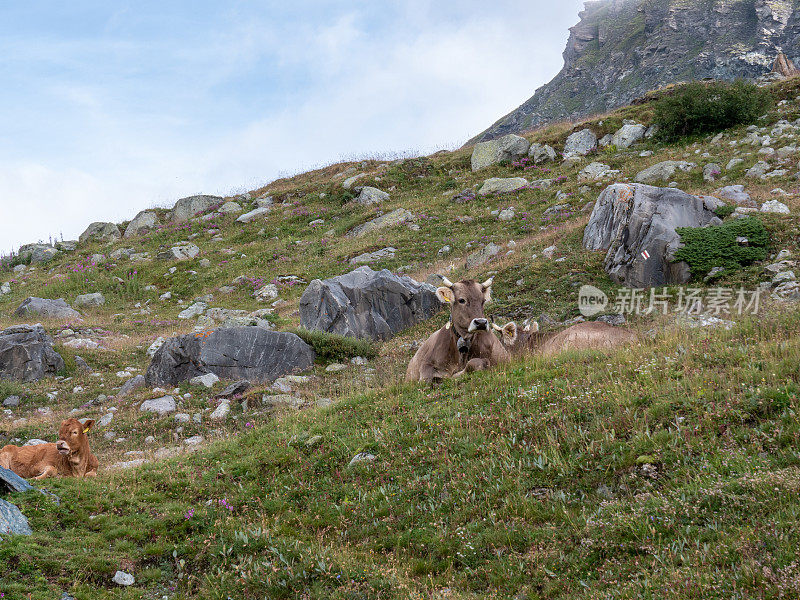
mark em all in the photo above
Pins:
pixel 367 304
pixel 252 353
pixel 27 354
pixel 45 307
pixel 506 148
pixel 370 195
pixel 629 219
pixel 12 521
pixel 142 223
pixel 186 208
pixel 541 153
pixel 100 232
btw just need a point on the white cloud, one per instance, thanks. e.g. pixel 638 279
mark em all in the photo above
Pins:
pixel 422 84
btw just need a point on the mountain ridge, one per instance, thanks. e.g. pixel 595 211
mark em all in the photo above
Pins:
pixel 622 49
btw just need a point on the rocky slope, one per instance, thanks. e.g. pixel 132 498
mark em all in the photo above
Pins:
pixel 621 49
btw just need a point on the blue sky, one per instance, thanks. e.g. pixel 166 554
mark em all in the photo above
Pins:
pixel 112 107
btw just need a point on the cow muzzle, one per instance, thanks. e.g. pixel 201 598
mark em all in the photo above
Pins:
pixel 479 325
pixel 62 447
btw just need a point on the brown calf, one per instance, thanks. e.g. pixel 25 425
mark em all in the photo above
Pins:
pixel 465 344
pixel 594 335
pixel 70 456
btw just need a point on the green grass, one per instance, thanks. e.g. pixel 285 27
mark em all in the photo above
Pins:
pixel 544 479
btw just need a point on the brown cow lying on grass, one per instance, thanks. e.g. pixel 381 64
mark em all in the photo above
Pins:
pixel 70 456
pixel 466 343
pixel 594 335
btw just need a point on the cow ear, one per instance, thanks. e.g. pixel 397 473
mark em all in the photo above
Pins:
pixel 88 425
pixel 510 333
pixel 446 295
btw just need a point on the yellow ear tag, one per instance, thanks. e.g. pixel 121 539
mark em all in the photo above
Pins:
pixel 86 430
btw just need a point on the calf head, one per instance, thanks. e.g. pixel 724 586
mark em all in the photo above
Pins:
pixel 72 439
pixel 516 339
pixel 466 299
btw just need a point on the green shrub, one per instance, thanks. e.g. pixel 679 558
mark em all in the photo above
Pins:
pixel 699 108
pixel 709 247
pixel 333 347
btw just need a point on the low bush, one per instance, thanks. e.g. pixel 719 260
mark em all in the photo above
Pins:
pixel 332 347
pixel 700 108
pixel 709 247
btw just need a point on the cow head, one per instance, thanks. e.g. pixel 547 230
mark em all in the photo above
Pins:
pixel 72 436
pixel 466 299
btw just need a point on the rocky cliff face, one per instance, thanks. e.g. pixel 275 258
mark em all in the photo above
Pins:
pixel 622 49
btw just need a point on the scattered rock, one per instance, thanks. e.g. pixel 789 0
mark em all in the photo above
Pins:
pixel 124 579
pixel 27 354
pixel 100 232
pixel 595 171
pixel 758 170
pixel 663 171
pixel 498 185
pixel 542 153
pixel 141 224
pixel 369 257
pixel 396 217
pixel 507 148
pixel 580 143
pixel 162 406
pixel 230 208
pixel 367 304
pixel 482 256
pixel 711 171
pixel 736 194
pixel 362 457
pixel 266 292
pixel 134 383
pixel 350 181
pixel 187 208
pixel 773 206
pixel 53 309
pixel 221 412
pixel 208 380
pixel 37 253
pixel 370 195
pixel 95 299
pixel 253 215
pixel 234 389
pixel 628 135
pixel 11 402
pixel 183 252
pixel 506 214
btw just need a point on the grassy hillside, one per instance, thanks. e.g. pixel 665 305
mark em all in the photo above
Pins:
pixel 671 469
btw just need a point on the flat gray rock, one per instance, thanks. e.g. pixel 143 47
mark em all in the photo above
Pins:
pixel 367 304
pixel 580 143
pixel 45 307
pixel 663 171
pixel 396 217
pixel 629 220
pixel 370 195
pixel 162 406
pixel 252 353
pixel 95 299
pixel 27 354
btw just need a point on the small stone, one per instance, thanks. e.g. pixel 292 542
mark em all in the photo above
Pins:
pixel 221 412
pixel 362 457
pixel 11 402
pixel 162 406
pixel 208 380
pixel 549 252
pixel 773 206
pixel 335 368
pixel 195 440
pixel 124 579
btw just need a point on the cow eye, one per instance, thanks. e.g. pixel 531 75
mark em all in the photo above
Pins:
pixel 462 301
